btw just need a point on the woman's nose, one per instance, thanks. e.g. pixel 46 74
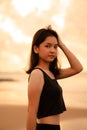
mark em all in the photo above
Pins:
pixel 52 49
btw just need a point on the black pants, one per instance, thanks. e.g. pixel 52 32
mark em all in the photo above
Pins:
pixel 47 127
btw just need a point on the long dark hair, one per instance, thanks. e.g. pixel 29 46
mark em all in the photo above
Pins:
pixel 38 38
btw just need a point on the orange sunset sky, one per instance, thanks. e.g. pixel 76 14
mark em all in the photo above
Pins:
pixel 19 19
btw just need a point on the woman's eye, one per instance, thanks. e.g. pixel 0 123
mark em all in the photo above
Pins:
pixel 47 46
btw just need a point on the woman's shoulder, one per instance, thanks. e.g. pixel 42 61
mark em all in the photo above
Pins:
pixel 36 81
pixel 36 74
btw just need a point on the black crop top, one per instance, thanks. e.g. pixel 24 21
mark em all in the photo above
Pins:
pixel 51 99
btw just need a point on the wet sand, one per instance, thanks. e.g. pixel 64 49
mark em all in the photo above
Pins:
pixel 13 117
pixel 74 119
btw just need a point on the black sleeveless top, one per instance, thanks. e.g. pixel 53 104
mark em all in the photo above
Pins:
pixel 51 99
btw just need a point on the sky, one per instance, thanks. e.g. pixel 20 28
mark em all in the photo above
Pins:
pixel 20 19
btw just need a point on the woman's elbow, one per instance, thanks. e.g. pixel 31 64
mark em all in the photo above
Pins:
pixel 80 69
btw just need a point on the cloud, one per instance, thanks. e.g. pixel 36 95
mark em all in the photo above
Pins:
pixel 28 6
pixel 10 61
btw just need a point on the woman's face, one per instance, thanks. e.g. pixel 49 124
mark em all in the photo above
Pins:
pixel 47 50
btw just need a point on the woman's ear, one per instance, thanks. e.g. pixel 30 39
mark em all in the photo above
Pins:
pixel 35 49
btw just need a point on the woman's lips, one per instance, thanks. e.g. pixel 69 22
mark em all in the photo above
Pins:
pixel 52 56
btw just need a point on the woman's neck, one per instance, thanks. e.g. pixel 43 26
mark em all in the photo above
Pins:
pixel 43 66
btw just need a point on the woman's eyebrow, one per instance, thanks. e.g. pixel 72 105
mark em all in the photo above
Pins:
pixel 51 43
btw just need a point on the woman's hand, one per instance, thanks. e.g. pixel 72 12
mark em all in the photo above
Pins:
pixel 59 42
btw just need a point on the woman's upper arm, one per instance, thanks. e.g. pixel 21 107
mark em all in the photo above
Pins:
pixel 35 86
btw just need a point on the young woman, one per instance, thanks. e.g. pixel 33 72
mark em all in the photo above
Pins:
pixel 44 93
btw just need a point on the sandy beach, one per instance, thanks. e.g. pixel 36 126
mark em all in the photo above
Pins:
pixel 13 102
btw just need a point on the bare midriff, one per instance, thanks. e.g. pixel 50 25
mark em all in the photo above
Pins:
pixel 54 119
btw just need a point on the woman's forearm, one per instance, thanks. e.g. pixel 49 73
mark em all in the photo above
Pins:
pixel 73 61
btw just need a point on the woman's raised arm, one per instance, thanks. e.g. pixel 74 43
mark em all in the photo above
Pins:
pixel 75 65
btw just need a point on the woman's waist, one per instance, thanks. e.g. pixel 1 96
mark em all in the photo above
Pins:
pixel 54 119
